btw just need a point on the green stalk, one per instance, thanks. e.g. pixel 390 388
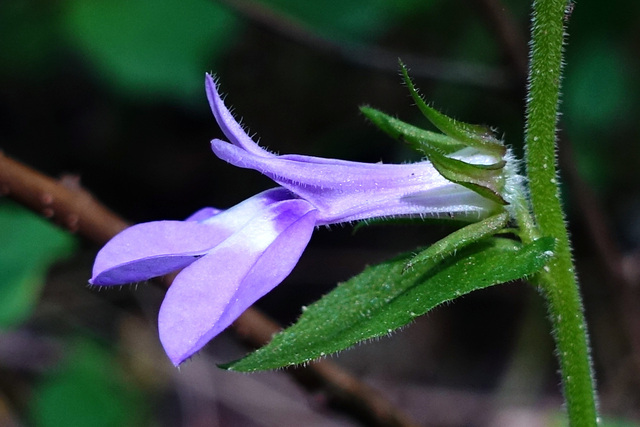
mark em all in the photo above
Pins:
pixel 558 282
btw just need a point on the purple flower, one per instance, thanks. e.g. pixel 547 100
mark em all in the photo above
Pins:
pixel 231 258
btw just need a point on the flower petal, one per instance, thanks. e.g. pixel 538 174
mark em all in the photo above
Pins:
pixel 155 248
pixel 347 191
pixel 230 127
pixel 204 214
pixel 210 294
pixel 152 249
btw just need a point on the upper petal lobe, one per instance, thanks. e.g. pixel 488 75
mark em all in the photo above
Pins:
pixel 155 248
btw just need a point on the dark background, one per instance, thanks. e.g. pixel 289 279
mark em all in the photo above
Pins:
pixel 113 93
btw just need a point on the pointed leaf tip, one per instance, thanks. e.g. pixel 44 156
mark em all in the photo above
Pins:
pixel 477 136
pixel 419 139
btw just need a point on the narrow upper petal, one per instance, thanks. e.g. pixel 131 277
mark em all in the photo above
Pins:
pixel 230 127
pixel 155 248
pixel 210 294
pixel 346 191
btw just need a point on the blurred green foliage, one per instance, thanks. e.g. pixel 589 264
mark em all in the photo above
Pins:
pixel 29 244
pixel 352 20
pixel 596 104
pixel 159 47
pixel 28 31
pixel 88 389
pixel 596 91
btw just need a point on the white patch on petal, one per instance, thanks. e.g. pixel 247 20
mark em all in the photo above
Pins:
pixel 263 237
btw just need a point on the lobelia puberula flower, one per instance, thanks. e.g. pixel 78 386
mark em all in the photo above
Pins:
pixel 231 258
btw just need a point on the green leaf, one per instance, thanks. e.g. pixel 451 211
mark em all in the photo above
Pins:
pixel 350 21
pixel 30 38
pixel 89 389
pixel 382 299
pixel 595 99
pixel 28 246
pixel 151 47
pixel 480 137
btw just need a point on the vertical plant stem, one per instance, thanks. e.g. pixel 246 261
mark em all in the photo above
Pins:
pixel 558 282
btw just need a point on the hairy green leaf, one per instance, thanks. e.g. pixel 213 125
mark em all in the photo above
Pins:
pixel 87 389
pixel 384 297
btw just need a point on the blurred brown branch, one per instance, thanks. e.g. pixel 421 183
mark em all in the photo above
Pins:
pixel 67 204
pixel 508 35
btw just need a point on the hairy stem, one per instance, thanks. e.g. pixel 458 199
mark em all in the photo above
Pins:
pixel 558 282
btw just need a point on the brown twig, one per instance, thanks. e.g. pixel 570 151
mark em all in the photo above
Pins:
pixel 65 204
pixel 73 208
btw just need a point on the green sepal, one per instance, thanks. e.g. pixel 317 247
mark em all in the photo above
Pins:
pixel 477 136
pixel 486 180
pixel 459 239
pixel 419 139
pixel 384 298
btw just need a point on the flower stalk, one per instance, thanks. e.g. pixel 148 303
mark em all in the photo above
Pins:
pixel 558 281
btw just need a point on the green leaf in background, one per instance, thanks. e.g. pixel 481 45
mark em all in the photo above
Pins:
pixel 383 298
pixel 596 94
pixel 28 246
pixel 148 47
pixel 28 31
pixel 598 100
pixel 350 20
pixel 88 390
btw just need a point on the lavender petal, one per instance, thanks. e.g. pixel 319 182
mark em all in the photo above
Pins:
pixel 230 127
pixel 210 294
pixel 155 248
